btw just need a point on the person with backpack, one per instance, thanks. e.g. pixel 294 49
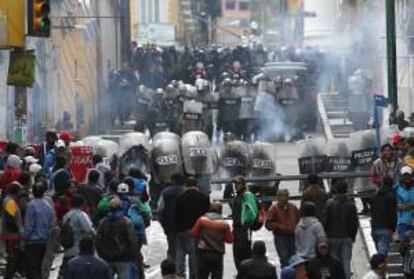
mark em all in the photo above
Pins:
pixel 282 219
pixel 212 232
pixel 11 231
pixel 140 184
pixel 244 212
pixel 87 265
pixel 191 205
pixel 76 225
pixel 38 226
pixel 116 242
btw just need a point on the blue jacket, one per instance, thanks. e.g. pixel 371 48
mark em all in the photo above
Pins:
pixel 39 221
pixel 405 196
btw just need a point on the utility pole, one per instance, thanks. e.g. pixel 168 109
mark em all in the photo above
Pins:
pixel 391 57
pixel 125 27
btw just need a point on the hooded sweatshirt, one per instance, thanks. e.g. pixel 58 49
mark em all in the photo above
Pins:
pixel 325 267
pixel 307 233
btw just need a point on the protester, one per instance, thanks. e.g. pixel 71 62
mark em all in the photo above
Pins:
pixel 341 226
pixel 257 266
pixel 47 146
pixel 315 194
pixel 39 223
pixel 190 205
pixel 11 171
pixel 76 225
pixel 103 170
pixel 63 202
pixel 282 219
pixel 212 232
pixel 299 265
pixel 116 242
pixel 92 193
pixel 87 265
pixel 168 270
pixel 409 157
pixel 241 231
pixel 388 165
pixel 24 198
pixel 308 231
pixel 378 265
pixel 11 232
pixel 61 176
pixel 405 201
pixel 384 216
pixel 166 212
pixel 287 273
pixel 12 148
pixel 324 265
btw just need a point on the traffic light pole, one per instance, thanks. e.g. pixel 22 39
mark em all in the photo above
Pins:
pixel 391 57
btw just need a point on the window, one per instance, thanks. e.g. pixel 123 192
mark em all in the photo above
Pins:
pixel 230 4
pixel 243 5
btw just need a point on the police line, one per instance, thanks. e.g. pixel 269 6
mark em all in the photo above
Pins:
pixel 295 177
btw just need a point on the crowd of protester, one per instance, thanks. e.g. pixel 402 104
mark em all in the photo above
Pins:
pixel 100 225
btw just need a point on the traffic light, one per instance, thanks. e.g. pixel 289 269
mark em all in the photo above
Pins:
pixel 38 18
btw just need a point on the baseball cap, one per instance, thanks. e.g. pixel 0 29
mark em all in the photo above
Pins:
pixel 406 170
pixel 296 260
pixel 60 143
pixel 30 159
pixel 396 138
pixel 122 188
pixel 14 161
pixel 66 136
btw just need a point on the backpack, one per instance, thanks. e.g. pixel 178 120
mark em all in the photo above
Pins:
pixel 249 210
pixel 67 235
pixel 111 242
pixel 260 218
pixel 140 210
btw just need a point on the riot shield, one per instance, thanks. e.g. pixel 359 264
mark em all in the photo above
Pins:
pixel 134 152
pixel 197 153
pixel 166 159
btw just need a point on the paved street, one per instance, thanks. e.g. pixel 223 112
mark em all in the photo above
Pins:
pixel 286 154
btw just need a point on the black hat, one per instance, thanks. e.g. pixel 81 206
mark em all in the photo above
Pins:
pixel 308 209
pixel 259 248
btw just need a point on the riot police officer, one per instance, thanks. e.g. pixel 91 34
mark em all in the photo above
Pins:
pixel 228 106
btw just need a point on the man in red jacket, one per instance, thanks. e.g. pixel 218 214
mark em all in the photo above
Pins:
pixel 282 219
pixel 213 232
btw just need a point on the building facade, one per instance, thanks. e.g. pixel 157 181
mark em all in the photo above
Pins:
pixel 72 69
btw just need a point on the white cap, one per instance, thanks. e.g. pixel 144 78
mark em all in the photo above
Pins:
pixel 60 143
pixel 30 159
pixel 14 161
pixel 406 170
pixel 122 188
